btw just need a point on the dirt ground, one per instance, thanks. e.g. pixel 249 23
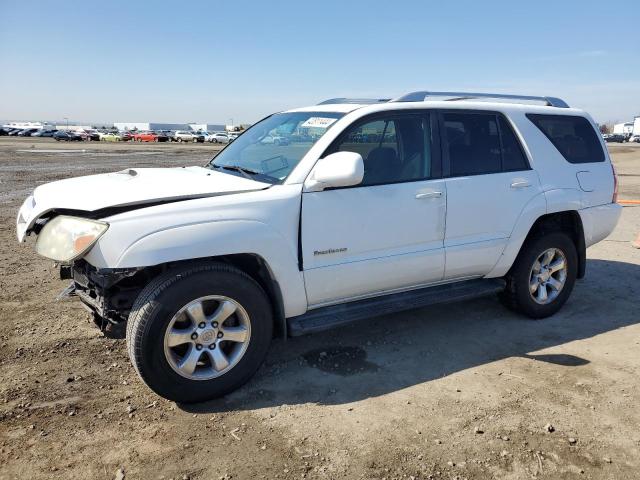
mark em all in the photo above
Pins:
pixel 463 391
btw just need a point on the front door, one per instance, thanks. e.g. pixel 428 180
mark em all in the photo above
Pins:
pixel 387 233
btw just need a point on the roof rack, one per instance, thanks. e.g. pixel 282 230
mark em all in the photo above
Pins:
pixel 424 95
pixel 356 101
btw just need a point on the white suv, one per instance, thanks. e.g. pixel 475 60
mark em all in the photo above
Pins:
pixel 184 136
pixel 217 137
pixel 375 206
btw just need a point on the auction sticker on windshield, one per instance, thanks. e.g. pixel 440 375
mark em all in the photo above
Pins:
pixel 318 122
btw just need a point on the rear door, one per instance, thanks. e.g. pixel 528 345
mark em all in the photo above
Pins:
pixel 387 233
pixel 488 181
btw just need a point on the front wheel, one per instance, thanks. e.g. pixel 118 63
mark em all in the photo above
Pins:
pixel 200 332
pixel 542 276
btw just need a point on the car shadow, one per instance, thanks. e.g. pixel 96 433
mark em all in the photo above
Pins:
pixel 392 352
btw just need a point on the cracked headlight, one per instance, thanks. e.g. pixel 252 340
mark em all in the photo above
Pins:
pixel 66 238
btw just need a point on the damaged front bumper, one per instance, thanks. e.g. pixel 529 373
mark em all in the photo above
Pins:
pixel 107 293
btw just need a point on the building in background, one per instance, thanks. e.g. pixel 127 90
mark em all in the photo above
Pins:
pixel 25 125
pixel 207 127
pixel 625 129
pixel 150 126
pixel 70 127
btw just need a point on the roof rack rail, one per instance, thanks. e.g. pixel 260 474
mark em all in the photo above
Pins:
pixel 424 95
pixel 356 101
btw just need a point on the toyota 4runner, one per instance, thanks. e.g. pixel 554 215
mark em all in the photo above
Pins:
pixel 375 207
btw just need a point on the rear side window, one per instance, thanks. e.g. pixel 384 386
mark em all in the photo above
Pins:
pixel 573 136
pixel 480 143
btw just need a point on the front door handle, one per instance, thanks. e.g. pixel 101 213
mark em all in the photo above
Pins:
pixel 432 194
pixel 520 184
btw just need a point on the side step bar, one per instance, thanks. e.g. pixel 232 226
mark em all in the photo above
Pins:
pixel 325 318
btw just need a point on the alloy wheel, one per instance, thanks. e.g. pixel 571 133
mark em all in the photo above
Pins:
pixel 548 276
pixel 207 337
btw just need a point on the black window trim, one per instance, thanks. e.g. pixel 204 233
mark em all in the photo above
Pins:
pixel 529 117
pixel 427 114
pixel 446 161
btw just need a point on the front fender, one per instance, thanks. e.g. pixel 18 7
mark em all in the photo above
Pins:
pixel 212 239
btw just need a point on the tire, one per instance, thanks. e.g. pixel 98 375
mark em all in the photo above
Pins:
pixel 518 295
pixel 158 306
pixel 156 140
pixel 179 139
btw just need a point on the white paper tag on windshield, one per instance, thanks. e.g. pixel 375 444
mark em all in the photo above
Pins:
pixel 318 122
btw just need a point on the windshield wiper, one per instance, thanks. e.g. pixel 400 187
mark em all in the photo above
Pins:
pixel 247 172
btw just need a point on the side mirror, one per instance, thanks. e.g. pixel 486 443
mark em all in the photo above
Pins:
pixel 340 169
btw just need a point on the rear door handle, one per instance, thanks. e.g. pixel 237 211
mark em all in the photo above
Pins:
pixel 432 194
pixel 520 184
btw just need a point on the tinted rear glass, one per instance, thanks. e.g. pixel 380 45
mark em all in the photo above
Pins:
pixel 513 158
pixel 573 136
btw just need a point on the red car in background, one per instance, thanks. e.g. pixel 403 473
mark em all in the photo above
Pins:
pixel 149 137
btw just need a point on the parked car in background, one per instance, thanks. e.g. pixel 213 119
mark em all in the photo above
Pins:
pixel 67 136
pixel 3 132
pixel 110 137
pixel 634 139
pixel 15 132
pixel 92 134
pixel 168 133
pixel 186 136
pixel 44 133
pixel 217 137
pixel 150 137
pixel 274 140
pixel 232 136
pixel 126 136
pixel 27 132
pixel 613 138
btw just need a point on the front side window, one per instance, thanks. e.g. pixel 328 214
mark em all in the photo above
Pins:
pixel 271 149
pixel 573 136
pixel 394 149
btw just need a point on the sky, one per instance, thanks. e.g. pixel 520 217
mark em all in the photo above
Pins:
pixel 212 62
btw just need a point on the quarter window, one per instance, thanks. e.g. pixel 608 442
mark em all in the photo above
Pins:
pixel 394 149
pixel 513 158
pixel 573 136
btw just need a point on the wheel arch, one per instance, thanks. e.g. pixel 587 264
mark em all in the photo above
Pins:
pixel 565 220
pixel 568 221
pixel 251 264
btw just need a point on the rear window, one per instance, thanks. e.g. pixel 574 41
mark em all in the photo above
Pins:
pixel 573 136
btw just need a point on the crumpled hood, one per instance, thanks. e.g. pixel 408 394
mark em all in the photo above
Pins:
pixel 129 187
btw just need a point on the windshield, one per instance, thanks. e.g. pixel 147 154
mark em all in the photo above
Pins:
pixel 271 149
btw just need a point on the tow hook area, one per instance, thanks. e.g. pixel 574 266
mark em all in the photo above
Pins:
pixel 70 291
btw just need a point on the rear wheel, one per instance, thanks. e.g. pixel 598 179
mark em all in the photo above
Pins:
pixel 199 333
pixel 543 275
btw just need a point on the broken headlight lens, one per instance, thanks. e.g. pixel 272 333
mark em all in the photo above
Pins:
pixel 66 238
